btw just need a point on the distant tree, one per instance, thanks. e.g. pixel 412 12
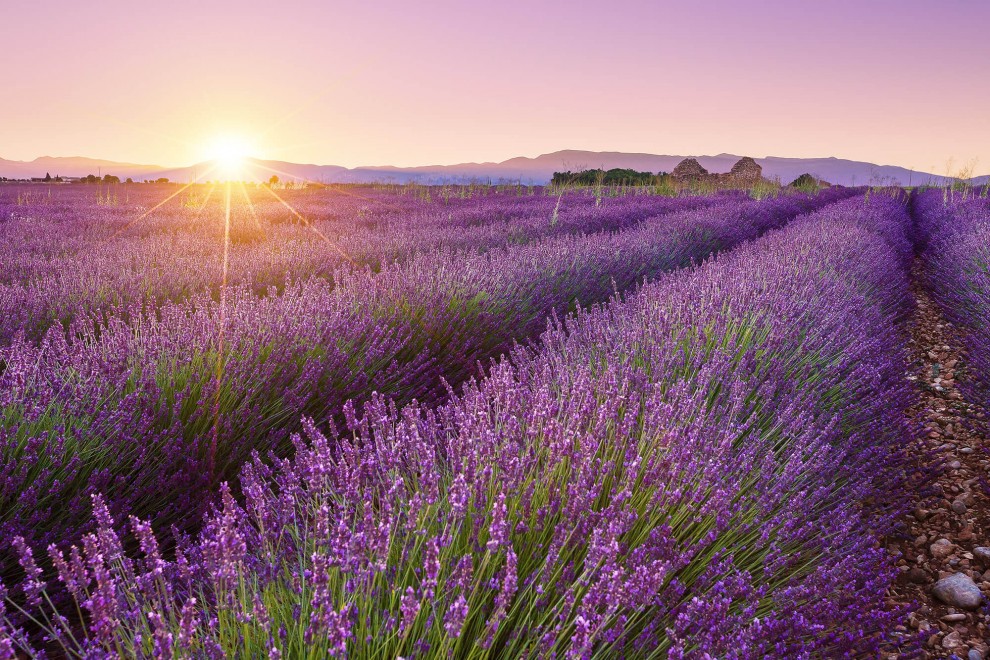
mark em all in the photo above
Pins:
pixel 48 177
pixel 613 177
pixel 273 181
pixel 129 180
pixel 161 180
pixel 806 182
pixel 110 178
pixel 58 178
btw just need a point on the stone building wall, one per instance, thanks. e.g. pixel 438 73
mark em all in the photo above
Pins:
pixel 745 173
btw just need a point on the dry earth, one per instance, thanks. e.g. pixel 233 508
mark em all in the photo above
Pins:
pixel 946 534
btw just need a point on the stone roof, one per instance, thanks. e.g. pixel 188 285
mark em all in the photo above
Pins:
pixel 747 169
pixel 689 168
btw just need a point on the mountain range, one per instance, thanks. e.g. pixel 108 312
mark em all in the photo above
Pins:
pixel 526 170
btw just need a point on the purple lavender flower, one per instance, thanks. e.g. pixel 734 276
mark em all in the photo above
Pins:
pixel 682 468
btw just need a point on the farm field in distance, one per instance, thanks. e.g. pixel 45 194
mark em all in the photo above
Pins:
pixel 499 421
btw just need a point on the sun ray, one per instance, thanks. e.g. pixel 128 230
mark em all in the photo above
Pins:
pixel 221 357
pixel 175 194
pixel 209 195
pixel 341 191
pixel 157 206
pixel 254 213
pixel 311 226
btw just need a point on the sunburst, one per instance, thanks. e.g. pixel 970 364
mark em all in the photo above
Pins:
pixel 230 155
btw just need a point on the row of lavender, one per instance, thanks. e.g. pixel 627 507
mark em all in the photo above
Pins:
pixel 67 257
pixel 700 468
pixel 955 241
pixel 156 409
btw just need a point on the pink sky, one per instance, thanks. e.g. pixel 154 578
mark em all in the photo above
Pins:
pixel 409 83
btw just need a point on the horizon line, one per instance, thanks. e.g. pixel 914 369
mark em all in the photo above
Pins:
pixel 486 162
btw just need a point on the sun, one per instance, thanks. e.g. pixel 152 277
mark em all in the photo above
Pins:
pixel 230 154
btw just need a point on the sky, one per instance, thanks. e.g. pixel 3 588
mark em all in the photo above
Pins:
pixel 900 82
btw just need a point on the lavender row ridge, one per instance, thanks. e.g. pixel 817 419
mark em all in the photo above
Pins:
pixel 701 467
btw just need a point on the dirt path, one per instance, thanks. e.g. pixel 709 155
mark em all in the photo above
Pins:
pixel 941 537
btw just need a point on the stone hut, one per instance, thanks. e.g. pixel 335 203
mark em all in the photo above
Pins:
pixel 689 169
pixel 746 171
pixel 744 174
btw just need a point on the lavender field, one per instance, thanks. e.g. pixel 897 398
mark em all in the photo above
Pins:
pixel 512 421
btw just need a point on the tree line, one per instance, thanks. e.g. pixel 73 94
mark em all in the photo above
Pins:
pixel 616 176
pixel 111 178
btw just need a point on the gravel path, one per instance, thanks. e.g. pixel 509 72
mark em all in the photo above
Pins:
pixel 944 546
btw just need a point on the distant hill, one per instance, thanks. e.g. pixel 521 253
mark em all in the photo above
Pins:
pixel 536 170
pixel 73 166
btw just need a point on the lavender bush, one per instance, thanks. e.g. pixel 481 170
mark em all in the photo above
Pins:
pixel 155 409
pixel 955 239
pixel 69 256
pixel 699 469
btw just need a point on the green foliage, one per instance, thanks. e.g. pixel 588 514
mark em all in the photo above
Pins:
pixel 764 188
pixel 665 186
pixel 806 183
pixel 613 177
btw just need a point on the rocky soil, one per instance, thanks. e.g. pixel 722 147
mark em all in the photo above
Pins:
pixel 944 544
